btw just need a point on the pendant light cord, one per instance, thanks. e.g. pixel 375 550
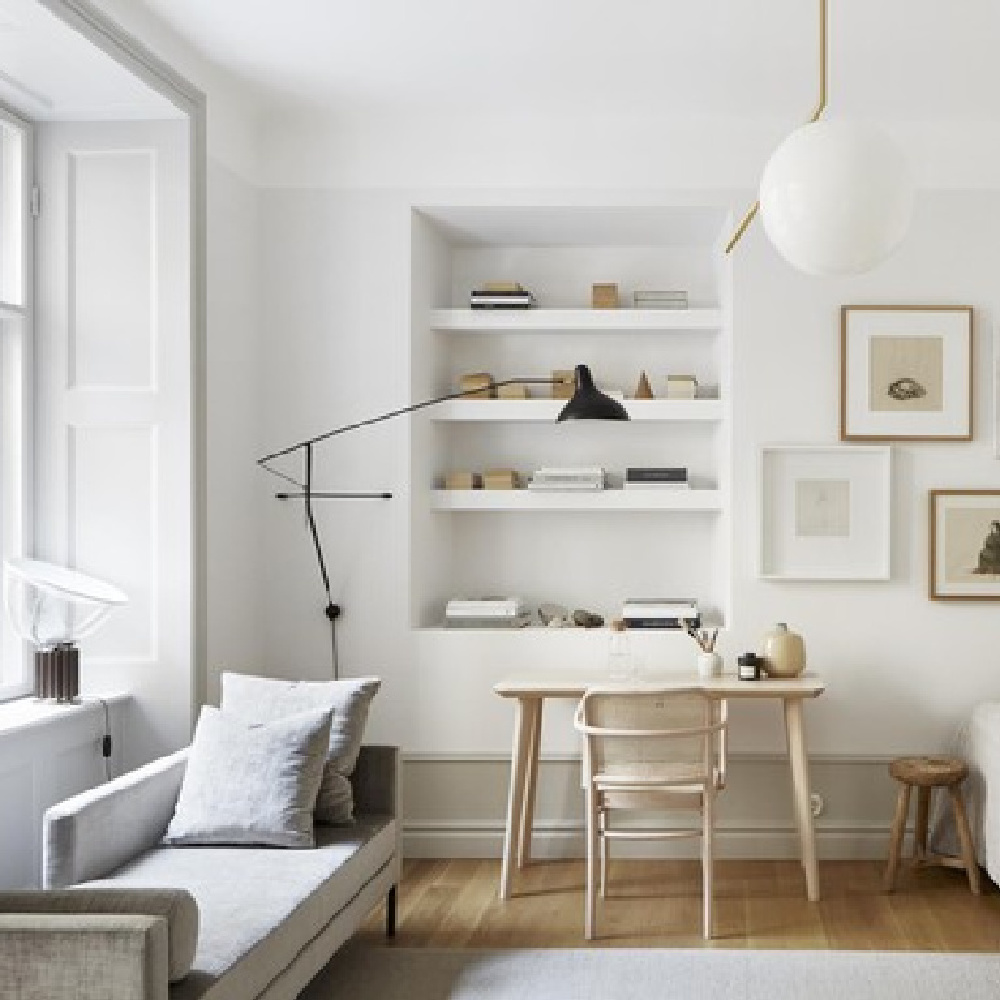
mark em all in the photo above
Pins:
pixel 816 115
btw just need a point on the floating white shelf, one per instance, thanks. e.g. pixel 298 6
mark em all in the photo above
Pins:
pixel 574 320
pixel 546 410
pixel 596 500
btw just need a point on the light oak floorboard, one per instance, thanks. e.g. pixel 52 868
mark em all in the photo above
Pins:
pixel 758 904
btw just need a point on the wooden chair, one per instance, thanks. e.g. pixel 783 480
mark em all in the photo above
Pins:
pixel 656 749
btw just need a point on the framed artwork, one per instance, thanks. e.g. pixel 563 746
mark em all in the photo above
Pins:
pixel 906 373
pixel 824 512
pixel 964 545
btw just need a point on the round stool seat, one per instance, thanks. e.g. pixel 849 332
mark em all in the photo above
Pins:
pixel 929 772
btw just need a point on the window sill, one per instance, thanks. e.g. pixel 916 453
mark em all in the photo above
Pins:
pixel 26 714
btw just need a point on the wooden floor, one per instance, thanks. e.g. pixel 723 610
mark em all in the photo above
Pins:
pixel 759 904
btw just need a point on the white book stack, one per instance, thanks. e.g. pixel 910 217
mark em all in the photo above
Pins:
pixel 661 612
pixel 487 612
pixel 569 479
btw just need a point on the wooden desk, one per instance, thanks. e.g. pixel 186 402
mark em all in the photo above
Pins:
pixel 530 692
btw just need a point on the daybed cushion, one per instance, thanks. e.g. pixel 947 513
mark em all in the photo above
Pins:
pixel 259 907
pixel 251 783
pixel 264 699
pixel 176 905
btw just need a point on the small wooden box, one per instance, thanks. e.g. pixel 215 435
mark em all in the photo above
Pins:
pixel 604 296
pixel 463 481
pixel 516 391
pixel 500 479
pixel 566 385
pixel 476 385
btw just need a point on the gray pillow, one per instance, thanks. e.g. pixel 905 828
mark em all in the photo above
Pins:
pixel 263 699
pixel 251 783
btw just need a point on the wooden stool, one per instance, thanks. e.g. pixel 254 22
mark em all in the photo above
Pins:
pixel 926 774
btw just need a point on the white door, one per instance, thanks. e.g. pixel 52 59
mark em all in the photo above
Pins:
pixel 113 415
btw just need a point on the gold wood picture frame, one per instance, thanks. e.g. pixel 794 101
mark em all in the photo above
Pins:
pixel 964 545
pixel 906 373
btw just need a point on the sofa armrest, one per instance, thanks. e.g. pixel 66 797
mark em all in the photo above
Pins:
pixel 83 957
pixel 376 781
pixel 93 833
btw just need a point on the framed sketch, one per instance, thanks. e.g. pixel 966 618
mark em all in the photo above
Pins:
pixel 906 373
pixel 824 512
pixel 964 545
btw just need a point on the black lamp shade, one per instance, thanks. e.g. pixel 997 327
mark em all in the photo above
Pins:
pixel 589 403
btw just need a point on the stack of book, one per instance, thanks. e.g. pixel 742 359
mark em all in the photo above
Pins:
pixel 658 478
pixel 501 295
pixel 682 387
pixel 653 299
pixel 559 479
pixel 486 612
pixel 661 612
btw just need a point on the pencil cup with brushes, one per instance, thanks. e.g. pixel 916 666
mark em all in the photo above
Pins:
pixel 709 661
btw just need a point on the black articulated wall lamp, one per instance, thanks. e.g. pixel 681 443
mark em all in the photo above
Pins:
pixel 587 403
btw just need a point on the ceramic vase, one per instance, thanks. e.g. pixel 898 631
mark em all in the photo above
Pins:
pixel 783 652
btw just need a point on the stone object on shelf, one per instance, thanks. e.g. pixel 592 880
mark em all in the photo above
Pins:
pixel 587 619
pixel 463 481
pixel 604 295
pixel 565 383
pixel 553 615
pixel 643 390
pixel 518 390
pixel 500 479
pixel 476 385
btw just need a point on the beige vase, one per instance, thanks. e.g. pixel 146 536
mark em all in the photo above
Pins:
pixel 783 652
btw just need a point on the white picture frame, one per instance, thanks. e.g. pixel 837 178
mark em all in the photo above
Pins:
pixel 824 512
pixel 906 373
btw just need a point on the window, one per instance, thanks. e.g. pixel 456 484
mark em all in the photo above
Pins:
pixel 15 361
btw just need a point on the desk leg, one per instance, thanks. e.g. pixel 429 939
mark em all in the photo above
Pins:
pixel 799 763
pixel 515 794
pixel 534 723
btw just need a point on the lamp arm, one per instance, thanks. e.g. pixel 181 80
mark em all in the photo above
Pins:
pixel 815 117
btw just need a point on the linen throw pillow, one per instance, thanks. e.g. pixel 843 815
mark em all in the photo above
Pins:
pixel 264 699
pixel 251 783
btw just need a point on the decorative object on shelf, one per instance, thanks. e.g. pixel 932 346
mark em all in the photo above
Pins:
pixel 656 478
pixel 587 403
pixel 501 295
pixel 661 612
pixel 500 479
pixel 463 481
pixel 964 545
pixel 53 608
pixel 748 667
pixel 682 387
pixel 906 373
pixel 553 615
pixel 643 390
pixel 652 299
pixel 563 383
pixel 620 664
pixel 782 652
pixel 476 385
pixel 604 296
pixel 587 619
pixel 825 512
pixel 517 390
pixel 835 196
pixel 559 479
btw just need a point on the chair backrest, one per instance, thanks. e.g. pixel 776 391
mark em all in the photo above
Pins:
pixel 669 725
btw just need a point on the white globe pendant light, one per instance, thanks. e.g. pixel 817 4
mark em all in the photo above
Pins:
pixel 836 198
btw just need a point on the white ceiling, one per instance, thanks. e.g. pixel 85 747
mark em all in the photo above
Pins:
pixel 49 73
pixel 908 59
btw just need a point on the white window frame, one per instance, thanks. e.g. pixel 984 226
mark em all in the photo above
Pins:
pixel 16 383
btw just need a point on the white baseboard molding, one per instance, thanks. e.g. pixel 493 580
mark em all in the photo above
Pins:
pixel 554 841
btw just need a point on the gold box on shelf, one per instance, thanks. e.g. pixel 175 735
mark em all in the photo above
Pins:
pixel 463 481
pixel 565 383
pixel 476 385
pixel 500 479
pixel 604 295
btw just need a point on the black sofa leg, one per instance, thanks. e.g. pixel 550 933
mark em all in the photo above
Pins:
pixel 390 913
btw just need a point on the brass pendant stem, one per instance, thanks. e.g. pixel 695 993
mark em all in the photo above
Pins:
pixel 816 115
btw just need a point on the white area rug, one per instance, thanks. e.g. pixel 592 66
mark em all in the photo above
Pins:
pixel 358 972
